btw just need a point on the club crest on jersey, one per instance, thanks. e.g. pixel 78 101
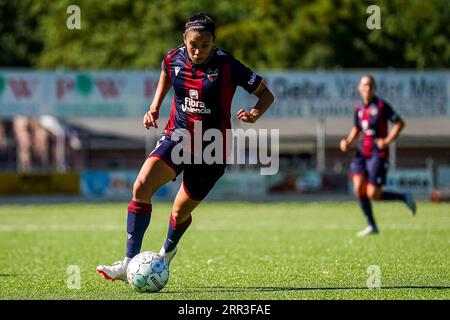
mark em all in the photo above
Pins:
pixel 212 74
pixel 360 114
pixel 373 111
pixel 193 94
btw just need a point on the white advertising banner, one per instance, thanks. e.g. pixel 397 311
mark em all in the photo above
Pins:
pixel 24 93
pixel 333 94
pixel 298 94
pixel 417 181
pixel 103 94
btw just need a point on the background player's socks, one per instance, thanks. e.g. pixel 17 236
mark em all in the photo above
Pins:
pixel 366 207
pixel 138 219
pixel 175 232
pixel 406 197
pixel 392 196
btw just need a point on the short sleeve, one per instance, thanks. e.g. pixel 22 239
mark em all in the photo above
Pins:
pixel 166 62
pixel 355 117
pixel 164 67
pixel 390 114
pixel 244 76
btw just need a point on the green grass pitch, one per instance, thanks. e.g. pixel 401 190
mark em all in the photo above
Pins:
pixel 232 251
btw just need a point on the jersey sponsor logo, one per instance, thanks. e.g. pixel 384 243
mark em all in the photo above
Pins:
pixel 177 69
pixel 366 128
pixel 212 74
pixel 365 125
pixel 252 79
pixel 193 106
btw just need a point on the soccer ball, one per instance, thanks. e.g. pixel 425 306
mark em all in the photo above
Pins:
pixel 148 272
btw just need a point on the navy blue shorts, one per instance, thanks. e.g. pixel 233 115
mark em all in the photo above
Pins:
pixel 198 179
pixel 373 168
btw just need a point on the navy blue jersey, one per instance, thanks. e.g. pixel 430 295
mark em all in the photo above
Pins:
pixel 205 92
pixel 372 120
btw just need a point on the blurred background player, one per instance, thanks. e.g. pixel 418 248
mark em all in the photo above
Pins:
pixel 3 139
pixel 204 78
pixel 370 164
pixel 33 140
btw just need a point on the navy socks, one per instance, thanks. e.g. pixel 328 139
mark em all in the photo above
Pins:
pixel 138 219
pixel 175 232
pixel 392 196
pixel 366 207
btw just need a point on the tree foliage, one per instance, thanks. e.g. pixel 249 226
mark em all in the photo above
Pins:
pixel 266 34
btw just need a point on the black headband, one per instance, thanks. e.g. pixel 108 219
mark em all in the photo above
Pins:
pixel 198 25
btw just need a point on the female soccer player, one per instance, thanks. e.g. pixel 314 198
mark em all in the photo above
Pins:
pixel 370 164
pixel 204 80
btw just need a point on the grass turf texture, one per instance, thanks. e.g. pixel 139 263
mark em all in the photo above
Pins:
pixel 232 251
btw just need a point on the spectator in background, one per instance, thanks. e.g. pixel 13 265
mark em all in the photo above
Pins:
pixel 22 133
pixel 40 144
pixel 32 144
pixel 3 140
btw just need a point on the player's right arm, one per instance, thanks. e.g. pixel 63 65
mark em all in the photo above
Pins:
pixel 354 133
pixel 152 115
pixel 352 136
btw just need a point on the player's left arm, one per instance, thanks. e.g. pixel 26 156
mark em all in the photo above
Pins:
pixel 393 134
pixel 398 126
pixel 265 100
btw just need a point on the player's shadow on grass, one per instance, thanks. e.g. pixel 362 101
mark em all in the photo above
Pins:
pixel 273 289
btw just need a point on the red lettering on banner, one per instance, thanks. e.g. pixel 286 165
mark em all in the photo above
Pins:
pixel 107 88
pixel 20 88
pixel 149 88
pixel 63 86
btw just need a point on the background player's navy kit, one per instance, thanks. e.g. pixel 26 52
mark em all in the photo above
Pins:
pixel 372 120
pixel 202 93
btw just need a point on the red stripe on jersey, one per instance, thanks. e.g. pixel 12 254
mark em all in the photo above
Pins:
pixel 170 125
pixel 382 128
pixel 168 129
pixel 227 91
pixel 196 85
pixel 368 139
pixel 168 59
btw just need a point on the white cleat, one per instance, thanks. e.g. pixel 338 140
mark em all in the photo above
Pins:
pixel 168 256
pixel 118 271
pixel 367 231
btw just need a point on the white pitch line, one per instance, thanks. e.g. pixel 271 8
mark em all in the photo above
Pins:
pixel 215 227
pixel 62 227
pixel 250 227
